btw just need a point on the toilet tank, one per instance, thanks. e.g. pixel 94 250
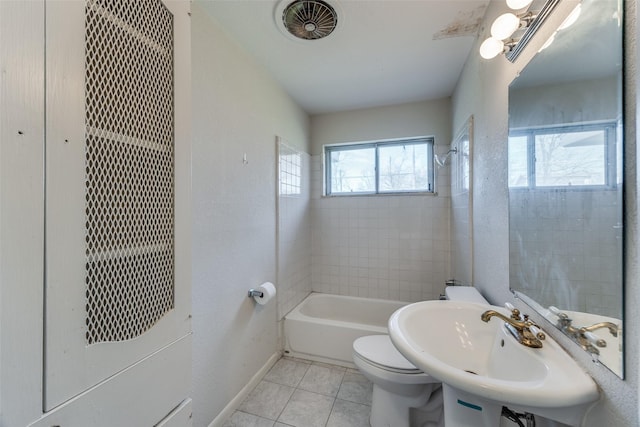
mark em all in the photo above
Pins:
pixel 464 293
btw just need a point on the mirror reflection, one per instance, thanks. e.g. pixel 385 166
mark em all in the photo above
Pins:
pixel 565 181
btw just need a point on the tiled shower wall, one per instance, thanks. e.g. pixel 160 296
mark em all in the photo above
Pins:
pixel 390 247
pixel 572 241
pixel 294 228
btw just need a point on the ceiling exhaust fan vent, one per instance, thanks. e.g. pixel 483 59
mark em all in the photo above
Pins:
pixel 309 19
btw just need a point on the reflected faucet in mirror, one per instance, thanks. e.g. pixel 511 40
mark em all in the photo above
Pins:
pixel 584 335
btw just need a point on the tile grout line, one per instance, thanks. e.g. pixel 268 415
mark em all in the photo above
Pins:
pixel 326 424
pixel 296 387
pixel 294 391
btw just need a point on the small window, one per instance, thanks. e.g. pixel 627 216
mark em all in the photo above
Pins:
pixel 385 167
pixel 572 156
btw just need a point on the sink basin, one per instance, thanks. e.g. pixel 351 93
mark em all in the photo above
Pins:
pixel 484 363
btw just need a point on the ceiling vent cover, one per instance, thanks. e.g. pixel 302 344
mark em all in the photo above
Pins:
pixel 309 19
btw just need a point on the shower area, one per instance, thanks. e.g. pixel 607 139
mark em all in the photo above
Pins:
pixel 293 227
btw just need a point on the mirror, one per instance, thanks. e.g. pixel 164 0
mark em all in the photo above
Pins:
pixel 565 182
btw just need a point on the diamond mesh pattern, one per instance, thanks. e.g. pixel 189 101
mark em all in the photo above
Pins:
pixel 129 167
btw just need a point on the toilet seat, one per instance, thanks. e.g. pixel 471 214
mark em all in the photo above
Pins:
pixel 379 351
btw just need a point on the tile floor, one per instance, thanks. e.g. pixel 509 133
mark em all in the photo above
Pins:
pixel 301 393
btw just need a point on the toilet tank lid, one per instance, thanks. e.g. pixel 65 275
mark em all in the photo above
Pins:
pixel 464 293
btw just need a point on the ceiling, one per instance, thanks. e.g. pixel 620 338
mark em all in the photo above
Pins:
pixel 383 52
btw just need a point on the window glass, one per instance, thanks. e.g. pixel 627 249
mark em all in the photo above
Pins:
pixel 570 158
pixel 353 170
pixel 399 166
pixel 518 170
pixel 403 167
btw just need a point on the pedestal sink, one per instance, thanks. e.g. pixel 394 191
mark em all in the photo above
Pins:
pixel 483 367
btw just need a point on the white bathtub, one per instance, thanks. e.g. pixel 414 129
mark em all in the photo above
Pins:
pixel 323 326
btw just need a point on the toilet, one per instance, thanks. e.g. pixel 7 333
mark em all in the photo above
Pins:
pixel 398 386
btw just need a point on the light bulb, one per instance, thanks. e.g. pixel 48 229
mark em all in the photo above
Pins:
pixel 572 18
pixel 518 4
pixel 504 26
pixel 491 47
pixel 548 42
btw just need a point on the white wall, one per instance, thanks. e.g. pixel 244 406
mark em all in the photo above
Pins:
pixel 237 109
pixel 578 102
pixel 390 247
pixel 483 92
pixel 22 109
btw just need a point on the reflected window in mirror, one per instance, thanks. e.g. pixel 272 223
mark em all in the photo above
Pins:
pixel 569 157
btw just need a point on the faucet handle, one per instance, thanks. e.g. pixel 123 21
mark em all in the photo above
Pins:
pixel 564 321
pixel 593 338
pixel 515 313
pixel 557 312
pixel 535 330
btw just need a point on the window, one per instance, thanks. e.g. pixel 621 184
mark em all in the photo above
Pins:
pixel 571 156
pixel 399 166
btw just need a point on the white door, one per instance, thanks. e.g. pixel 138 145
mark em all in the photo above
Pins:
pixel 117 188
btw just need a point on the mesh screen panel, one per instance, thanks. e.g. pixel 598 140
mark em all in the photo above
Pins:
pixel 129 167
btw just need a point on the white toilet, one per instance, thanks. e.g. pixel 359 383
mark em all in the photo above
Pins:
pixel 398 385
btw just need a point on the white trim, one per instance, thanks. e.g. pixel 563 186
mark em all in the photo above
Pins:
pixel 180 416
pixel 242 394
pixel 22 101
pixel 127 398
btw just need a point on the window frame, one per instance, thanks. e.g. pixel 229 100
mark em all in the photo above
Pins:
pixel 428 141
pixel 610 129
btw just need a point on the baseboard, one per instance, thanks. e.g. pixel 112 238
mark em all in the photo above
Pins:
pixel 239 398
pixel 315 358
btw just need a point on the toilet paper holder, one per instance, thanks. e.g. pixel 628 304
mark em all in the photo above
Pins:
pixel 263 294
pixel 255 293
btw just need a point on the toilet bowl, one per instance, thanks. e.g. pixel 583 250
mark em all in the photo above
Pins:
pixel 398 386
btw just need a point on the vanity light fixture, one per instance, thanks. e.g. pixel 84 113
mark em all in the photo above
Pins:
pixel 506 24
pixel 569 21
pixel 502 38
pixel 492 47
pixel 503 28
pixel 548 43
pixel 518 4
pixel 572 18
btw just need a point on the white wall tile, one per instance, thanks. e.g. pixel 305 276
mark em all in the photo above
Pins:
pixel 393 247
pixel 294 228
pixel 582 247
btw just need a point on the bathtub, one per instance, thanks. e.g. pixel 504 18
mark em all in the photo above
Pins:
pixel 323 326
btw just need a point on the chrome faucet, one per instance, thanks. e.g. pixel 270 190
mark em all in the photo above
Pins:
pixel 524 330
